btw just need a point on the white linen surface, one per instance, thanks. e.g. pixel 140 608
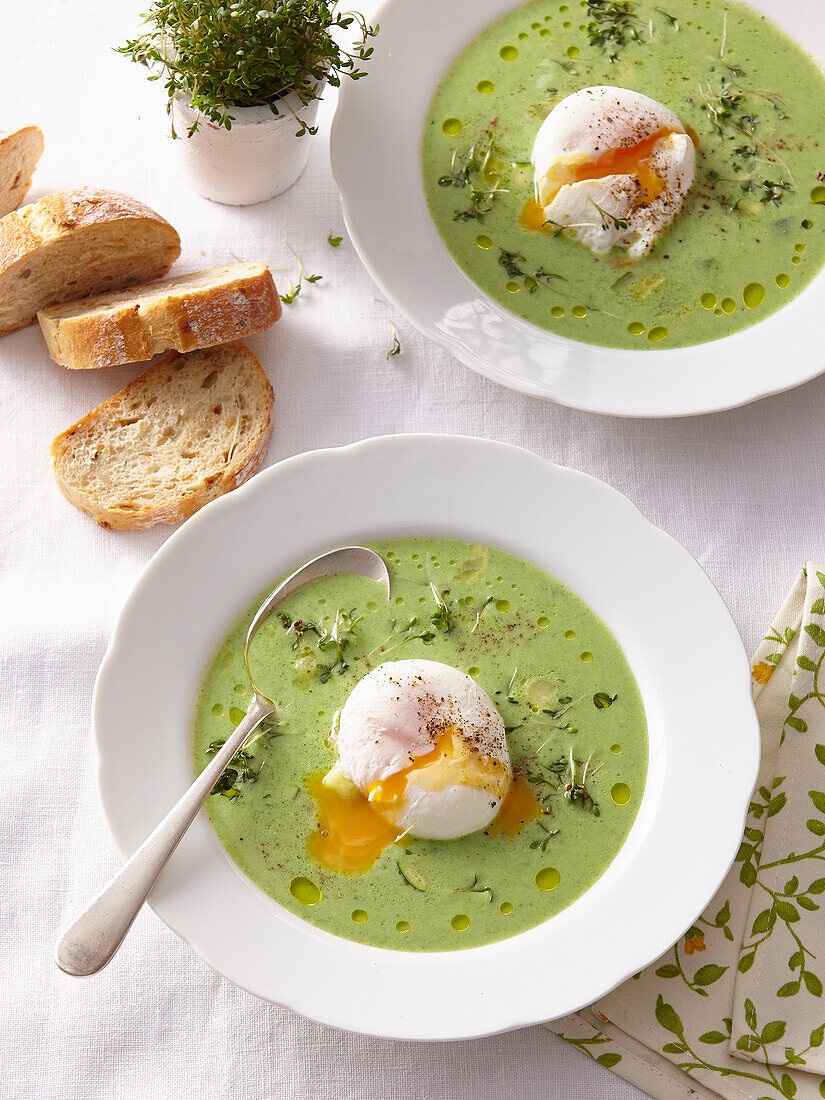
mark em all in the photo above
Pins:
pixel 741 490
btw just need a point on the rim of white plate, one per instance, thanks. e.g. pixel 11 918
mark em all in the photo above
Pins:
pixel 375 152
pixel 670 620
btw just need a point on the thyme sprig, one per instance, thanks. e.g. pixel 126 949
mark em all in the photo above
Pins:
pixel 221 56
pixel 332 642
pixel 511 262
pixel 472 168
pixel 442 618
pixel 609 219
pixel 542 842
pixel 475 887
pixel 613 24
pixel 240 769
pixel 732 116
pixel 395 348
pixel 568 777
pixel 294 288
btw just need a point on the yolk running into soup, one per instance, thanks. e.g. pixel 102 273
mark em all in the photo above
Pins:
pixel 520 806
pixel 630 160
pixel 351 835
pixel 353 829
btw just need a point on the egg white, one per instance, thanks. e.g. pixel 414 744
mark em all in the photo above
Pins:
pixel 584 126
pixel 393 715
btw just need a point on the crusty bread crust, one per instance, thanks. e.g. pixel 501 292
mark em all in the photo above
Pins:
pixel 165 445
pixel 187 312
pixel 20 150
pixel 45 242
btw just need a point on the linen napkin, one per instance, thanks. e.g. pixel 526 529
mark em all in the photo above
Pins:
pixel 735 1008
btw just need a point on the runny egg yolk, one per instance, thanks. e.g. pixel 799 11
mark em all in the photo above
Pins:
pixel 451 760
pixel 351 834
pixel 629 160
pixel 520 806
pixel 353 829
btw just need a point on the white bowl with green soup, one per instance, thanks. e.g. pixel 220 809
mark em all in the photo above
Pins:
pixel 540 746
pixel 618 206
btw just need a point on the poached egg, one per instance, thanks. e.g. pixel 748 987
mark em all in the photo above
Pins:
pixel 614 166
pixel 422 751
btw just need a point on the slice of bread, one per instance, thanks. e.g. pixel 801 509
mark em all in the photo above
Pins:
pixel 187 430
pixel 20 150
pixel 187 312
pixel 74 243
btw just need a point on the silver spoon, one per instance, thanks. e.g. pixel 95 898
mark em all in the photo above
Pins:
pixel 93 939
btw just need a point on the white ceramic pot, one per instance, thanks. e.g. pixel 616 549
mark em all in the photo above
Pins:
pixel 257 159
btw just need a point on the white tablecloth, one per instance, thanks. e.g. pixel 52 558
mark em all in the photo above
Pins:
pixel 741 490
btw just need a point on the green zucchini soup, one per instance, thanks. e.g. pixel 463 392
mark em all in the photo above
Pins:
pixel 628 174
pixel 445 768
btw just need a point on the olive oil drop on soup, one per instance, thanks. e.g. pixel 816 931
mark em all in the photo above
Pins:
pixel 446 769
pixel 643 178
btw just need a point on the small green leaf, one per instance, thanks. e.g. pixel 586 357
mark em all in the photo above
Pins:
pixel 797 959
pixel 773 1032
pixel 820 753
pixel 816 827
pixel 807 903
pixel 812 983
pixel 818 607
pixel 673 1048
pixel 668 1018
pixel 669 970
pixel 750 1014
pixel 746 962
pixel 747 1043
pixel 601 700
pixel 609 1060
pixel 786 911
pixel 776 804
pixel 334 241
pixel 821 578
pixel 723 916
pixel 791 885
pixel 708 974
pixel 817 886
pixel 747 873
pixel 817 1036
pixel 817 633
pixel 762 922
pixel 793 701
pixel 797 723
pixel 789 989
pixel 818 799
pixel 713 1037
pixel 806 663
pixel 787 1085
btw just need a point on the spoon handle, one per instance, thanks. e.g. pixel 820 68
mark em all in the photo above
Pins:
pixel 93 939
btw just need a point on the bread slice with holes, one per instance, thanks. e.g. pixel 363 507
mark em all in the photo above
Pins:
pixel 189 429
pixel 74 243
pixel 187 312
pixel 20 150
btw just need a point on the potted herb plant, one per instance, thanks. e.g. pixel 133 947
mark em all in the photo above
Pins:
pixel 243 80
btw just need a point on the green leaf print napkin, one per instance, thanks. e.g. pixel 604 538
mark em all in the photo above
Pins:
pixel 735 1009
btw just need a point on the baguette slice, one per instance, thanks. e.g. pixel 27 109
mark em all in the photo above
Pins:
pixel 74 243
pixel 187 312
pixel 187 430
pixel 20 150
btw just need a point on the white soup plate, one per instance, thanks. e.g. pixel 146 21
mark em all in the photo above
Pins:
pixel 675 631
pixel 376 160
